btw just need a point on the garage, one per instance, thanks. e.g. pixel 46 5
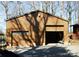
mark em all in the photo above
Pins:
pixel 42 27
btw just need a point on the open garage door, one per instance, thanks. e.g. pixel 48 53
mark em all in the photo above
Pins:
pixel 54 36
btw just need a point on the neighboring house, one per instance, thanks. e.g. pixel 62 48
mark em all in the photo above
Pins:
pixel 75 35
pixel 36 28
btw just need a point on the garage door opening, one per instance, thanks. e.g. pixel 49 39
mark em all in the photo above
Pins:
pixel 54 36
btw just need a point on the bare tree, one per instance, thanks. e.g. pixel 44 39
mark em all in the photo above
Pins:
pixel 78 11
pixel 18 8
pixel 33 5
pixel 5 5
pixel 46 6
pixel 52 8
pixel 62 8
pixel 69 10
pixel 75 6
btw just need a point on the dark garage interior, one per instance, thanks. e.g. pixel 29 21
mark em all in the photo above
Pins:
pixel 54 36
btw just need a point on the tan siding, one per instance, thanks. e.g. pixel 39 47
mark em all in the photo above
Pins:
pixel 25 25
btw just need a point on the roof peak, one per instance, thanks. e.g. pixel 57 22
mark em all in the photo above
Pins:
pixel 35 12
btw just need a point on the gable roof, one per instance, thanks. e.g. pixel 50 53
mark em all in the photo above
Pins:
pixel 32 12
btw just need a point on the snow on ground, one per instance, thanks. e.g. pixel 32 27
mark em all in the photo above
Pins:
pixel 50 50
pixel 74 49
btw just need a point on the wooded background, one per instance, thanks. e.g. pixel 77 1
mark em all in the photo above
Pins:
pixel 68 10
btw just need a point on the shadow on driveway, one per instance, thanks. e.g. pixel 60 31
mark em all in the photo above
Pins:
pixel 47 52
pixel 6 53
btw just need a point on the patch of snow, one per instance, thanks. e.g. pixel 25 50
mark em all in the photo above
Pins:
pixel 74 49
pixel 54 49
